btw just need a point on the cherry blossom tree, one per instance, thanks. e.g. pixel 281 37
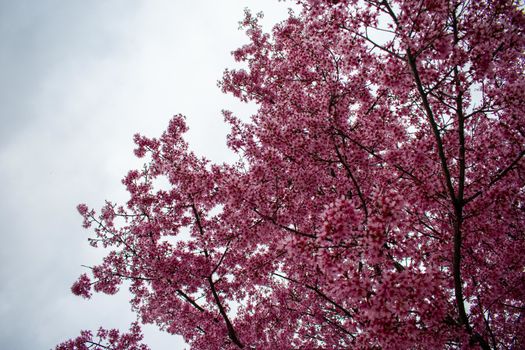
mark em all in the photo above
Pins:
pixel 379 197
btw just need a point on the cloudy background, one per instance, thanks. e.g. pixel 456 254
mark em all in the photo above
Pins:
pixel 77 80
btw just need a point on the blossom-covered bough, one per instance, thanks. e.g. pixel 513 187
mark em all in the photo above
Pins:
pixel 379 197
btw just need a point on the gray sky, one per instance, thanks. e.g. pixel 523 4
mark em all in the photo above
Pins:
pixel 77 80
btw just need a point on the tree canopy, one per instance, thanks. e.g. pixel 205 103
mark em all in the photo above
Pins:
pixel 378 201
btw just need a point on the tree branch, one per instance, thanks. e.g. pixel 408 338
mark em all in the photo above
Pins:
pixel 231 331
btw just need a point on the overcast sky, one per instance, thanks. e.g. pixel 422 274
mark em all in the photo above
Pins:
pixel 77 80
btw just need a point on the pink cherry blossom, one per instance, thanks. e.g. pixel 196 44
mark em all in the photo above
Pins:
pixel 82 286
pixel 378 200
pixel 106 339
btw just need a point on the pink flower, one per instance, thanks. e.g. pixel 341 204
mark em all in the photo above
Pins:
pixel 82 286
